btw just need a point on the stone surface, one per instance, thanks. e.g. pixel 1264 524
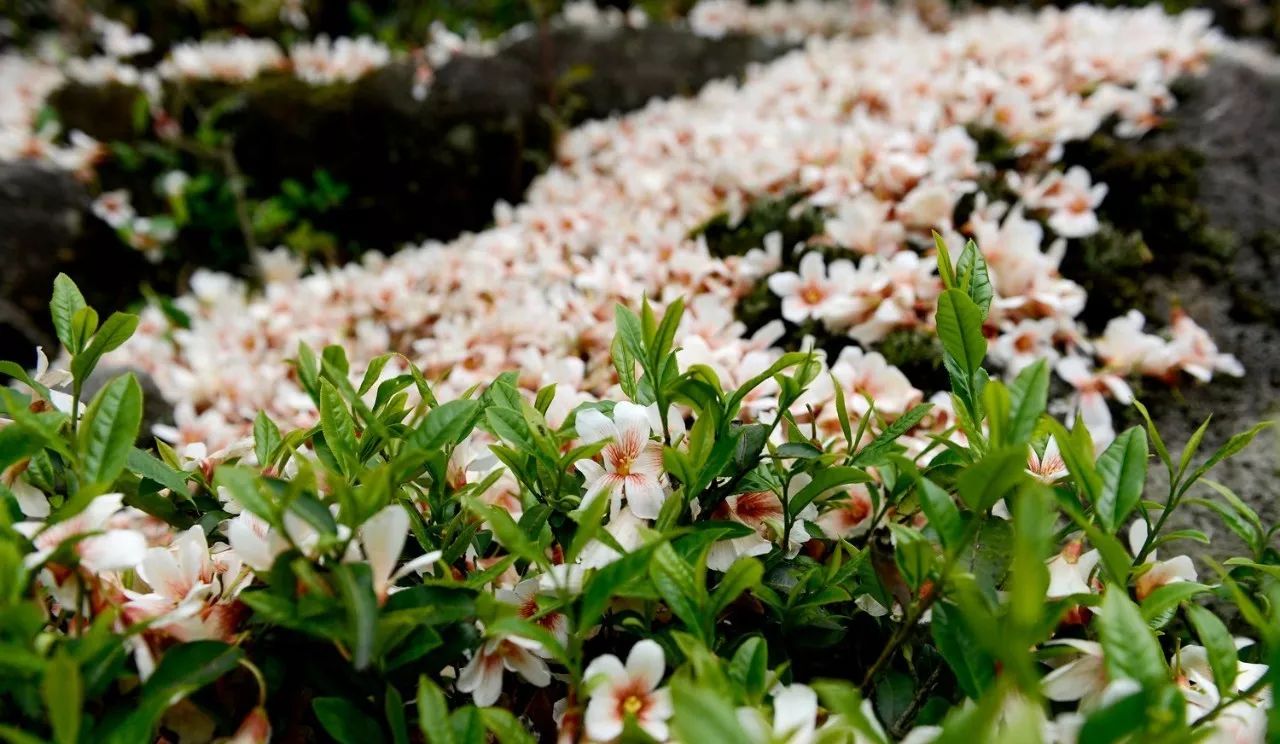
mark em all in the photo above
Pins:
pixel 1231 116
pixel 46 228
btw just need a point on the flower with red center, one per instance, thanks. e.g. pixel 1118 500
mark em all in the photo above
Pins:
pixel 848 516
pixel 618 692
pixel 525 598
pixel 1048 468
pixel 482 676
pixel 632 462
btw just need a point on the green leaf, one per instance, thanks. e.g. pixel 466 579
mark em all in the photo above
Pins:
pixel 875 452
pixel 355 585
pixel 1154 435
pixel 825 480
pixel 1218 643
pixel 243 487
pixel 63 692
pixel 149 466
pixel 703 716
pixel 109 430
pixel 1129 647
pixel 749 667
pixel 1029 394
pixel 941 511
pixel 83 325
pixel 66 302
pixel 118 328
pixel 675 581
pixel 605 582
pixel 345 722
pixel 973 668
pixel 393 709
pixel 505 726
pixel 339 428
pixel 1232 447
pixel 183 670
pixel 960 330
pixel 744 574
pixel 446 424
pixel 1079 463
pixel 266 438
pixel 628 329
pixel 1167 597
pixel 1122 468
pixel 973 278
pixel 993 477
pixel 433 713
pixel 945 268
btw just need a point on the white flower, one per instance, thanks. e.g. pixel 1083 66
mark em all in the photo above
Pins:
pixel 1241 722
pixel 618 691
pixel 795 717
pixel 382 539
pixel 817 291
pixel 762 512
pixel 114 208
pixel 192 594
pixel 482 676
pixel 632 462
pixel 1070 571
pixel 525 598
pixel 849 515
pixel 1083 678
pixel 1160 573
pixel 106 547
pixel 1048 468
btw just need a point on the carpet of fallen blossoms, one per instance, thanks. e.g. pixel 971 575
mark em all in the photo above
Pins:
pixel 871 132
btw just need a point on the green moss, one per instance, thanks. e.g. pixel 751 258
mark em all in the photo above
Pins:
pixel 763 217
pixel 1152 222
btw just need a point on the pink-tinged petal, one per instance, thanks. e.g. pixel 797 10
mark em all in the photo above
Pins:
pixel 114 550
pixel 602 672
pixel 647 663
pixel 601 720
pixel 383 537
pixel 482 677
pixel 1074 680
pixel 655 728
pixel 593 426
pixel 524 663
pixel 605 483
pixel 794 310
pixel 1094 411
pixel 812 266
pixel 1119 389
pixel 163 574
pixel 632 423
pixel 660 707
pixel 645 495
pixel 784 284
pixel 649 461
pixel 1074 370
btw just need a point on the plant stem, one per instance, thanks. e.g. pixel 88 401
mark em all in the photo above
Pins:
pixel 899 728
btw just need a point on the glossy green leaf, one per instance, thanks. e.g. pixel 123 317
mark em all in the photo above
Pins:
pixel 1122 471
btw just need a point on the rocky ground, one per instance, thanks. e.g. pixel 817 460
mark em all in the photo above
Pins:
pixel 1230 117
pixel 430 169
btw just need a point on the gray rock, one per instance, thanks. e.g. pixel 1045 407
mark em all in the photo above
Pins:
pixel 155 410
pixel 1232 116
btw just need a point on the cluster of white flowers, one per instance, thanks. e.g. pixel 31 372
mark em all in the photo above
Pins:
pixel 321 62
pixel 791 20
pixel 25 83
pixel 238 59
pixel 870 132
